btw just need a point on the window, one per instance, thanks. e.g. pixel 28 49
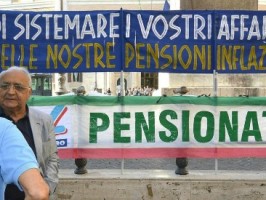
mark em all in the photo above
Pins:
pixel 41 84
pixel 74 77
pixel 149 79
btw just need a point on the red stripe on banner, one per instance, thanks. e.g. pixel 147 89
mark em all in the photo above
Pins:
pixel 60 116
pixel 162 153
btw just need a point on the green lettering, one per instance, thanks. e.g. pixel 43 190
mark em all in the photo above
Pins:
pixel 141 124
pixel 95 128
pixel 230 127
pixel 197 126
pixel 251 118
pixel 118 127
pixel 185 126
pixel 168 125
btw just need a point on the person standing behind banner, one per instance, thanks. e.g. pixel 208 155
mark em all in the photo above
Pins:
pixel 18 164
pixel 36 126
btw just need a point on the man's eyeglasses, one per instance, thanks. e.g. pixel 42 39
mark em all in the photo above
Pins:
pixel 16 86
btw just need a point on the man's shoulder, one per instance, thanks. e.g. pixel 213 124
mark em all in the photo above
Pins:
pixel 4 124
pixel 38 113
pixel 4 120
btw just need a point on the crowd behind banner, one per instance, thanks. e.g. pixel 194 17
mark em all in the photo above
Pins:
pixel 134 41
pixel 135 91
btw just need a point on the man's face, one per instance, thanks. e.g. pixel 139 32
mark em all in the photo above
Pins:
pixel 14 90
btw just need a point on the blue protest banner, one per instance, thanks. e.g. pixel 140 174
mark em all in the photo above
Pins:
pixel 134 41
pixel 61 41
pixel 168 41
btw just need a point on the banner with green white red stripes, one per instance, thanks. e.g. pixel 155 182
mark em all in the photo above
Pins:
pixel 157 127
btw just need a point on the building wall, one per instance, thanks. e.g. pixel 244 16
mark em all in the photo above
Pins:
pixel 228 84
pixel 219 4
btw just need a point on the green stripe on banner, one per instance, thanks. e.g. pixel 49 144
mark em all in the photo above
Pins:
pixel 145 100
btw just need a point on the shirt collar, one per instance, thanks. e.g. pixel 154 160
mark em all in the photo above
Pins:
pixel 2 114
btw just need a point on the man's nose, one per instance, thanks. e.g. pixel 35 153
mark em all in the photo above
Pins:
pixel 11 89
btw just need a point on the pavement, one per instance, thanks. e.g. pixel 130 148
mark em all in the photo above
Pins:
pixel 250 164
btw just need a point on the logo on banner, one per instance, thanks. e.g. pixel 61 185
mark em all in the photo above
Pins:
pixel 61 142
pixel 57 114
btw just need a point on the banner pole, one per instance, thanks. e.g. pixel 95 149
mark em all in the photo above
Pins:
pixel 215 84
pixel 122 93
pixel 215 92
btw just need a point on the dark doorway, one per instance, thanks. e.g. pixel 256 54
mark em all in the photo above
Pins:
pixel 41 84
pixel 149 79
